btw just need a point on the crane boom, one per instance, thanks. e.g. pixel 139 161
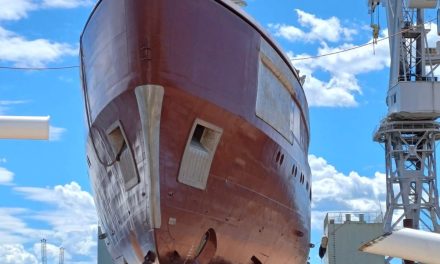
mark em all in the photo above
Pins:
pixel 24 127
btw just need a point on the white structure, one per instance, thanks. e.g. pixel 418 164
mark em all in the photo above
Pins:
pixel 421 3
pixel 346 232
pixel 414 245
pixel 24 127
pixel 103 254
pixel 423 102
pixel 409 132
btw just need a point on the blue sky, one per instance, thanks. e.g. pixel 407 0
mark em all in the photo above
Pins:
pixel 44 187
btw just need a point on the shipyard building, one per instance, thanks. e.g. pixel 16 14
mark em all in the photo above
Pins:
pixel 346 232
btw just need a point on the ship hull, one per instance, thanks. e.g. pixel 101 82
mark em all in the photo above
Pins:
pixel 185 164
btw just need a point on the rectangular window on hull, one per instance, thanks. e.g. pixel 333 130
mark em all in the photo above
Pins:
pixel 295 123
pixel 122 153
pixel 275 88
pixel 304 139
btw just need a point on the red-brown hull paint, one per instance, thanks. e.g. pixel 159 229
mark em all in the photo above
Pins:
pixel 205 54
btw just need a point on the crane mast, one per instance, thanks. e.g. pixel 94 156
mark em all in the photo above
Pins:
pixel 409 132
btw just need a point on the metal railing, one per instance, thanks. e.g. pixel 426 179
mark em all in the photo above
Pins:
pixel 360 217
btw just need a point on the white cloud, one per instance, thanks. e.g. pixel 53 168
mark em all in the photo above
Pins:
pixel 320 29
pixel 12 102
pixel 5 105
pixel 23 52
pixel 432 36
pixel 288 32
pixel 432 39
pixel 6 176
pixel 334 191
pixel 341 86
pixel 66 3
pixel 35 53
pixel 52 252
pixel 73 217
pixel 56 133
pixel 19 9
pixel 343 67
pixel 13 228
pixel 16 254
pixel 15 9
pixel 69 213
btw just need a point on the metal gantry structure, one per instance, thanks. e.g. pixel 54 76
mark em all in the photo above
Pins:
pixel 409 132
pixel 61 260
pixel 43 251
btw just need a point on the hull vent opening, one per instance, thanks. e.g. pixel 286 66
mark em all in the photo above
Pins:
pixel 199 153
pixel 123 155
pixel 255 260
pixel 150 258
pixel 208 246
pixel 196 140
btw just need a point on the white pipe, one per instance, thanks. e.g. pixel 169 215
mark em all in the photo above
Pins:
pixel 408 244
pixel 24 127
